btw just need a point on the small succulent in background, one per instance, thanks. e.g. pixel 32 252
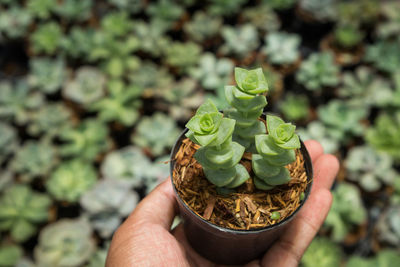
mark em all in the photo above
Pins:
pixel 156 133
pixel 86 87
pixel 361 12
pixel 10 255
pixel 318 71
pixel 47 38
pixel 316 130
pixel 34 159
pixel 203 26
pixel 74 10
pixel 262 17
pixel 347 211
pixel 385 257
pixel 322 10
pixel 281 47
pixel 40 8
pixel 322 252
pixel 384 55
pixel 133 6
pixel 391 25
pixel 388 226
pixel 164 12
pixel 183 55
pixel 21 209
pixel 218 98
pixel 280 4
pixel 14 22
pixel 153 39
pixel 17 101
pixel 86 141
pixel 47 75
pixel 117 23
pixel 295 107
pixel 225 7
pixel 212 72
pixel 70 180
pixel 158 172
pixel 384 135
pixel 8 141
pixel 77 43
pixel 151 77
pixel 98 258
pixel 107 203
pixel 348 36
pixel 239 41
pixel 370 168
pixel 68 242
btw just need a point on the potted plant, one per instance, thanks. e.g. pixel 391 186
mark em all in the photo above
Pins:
pixel 239 176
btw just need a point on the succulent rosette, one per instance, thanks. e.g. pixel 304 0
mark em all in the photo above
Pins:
pixel 275 150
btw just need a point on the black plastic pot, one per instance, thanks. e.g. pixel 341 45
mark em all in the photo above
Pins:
pixel 227 246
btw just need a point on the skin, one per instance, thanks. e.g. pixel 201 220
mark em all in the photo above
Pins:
pixel 145 239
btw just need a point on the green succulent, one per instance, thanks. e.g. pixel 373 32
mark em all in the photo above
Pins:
pixel 98 258
pixel 218 98
pixel 203 26
pixel 239 41
pixel 34 159
pixel 153 39
pixel 183 55
pixel 262 17
pixel 86 141
pixel 348 35
pixel 370 168
pixel 212 72
pixel 384 55
pixel 70 180
pixel 361 12
pixel 218 155
pixel 295 107
pixel 47 75
pixel 14 22
pixel 282 47
pixel 247 105
pixel 164 12
pixel 86 87
pixel 74 10
pixel 318 71
pixel 322 252
pixel 383 136
pixel 280 4
pixel 316 130
pixel 67 242
pixel 391 26
pixel 21 210
pixel 133 6
pixel 347 211
pixel 117 23
pixel 385 257
pixel 321 10
pixel 156 133
pixel 158 172
pixel 388 226
pixel 225 7
pixel 275 150
pixel 8 141
pixel 151 77
pixel 47 38
pixel 18 101
pixel 77 43
pixel 10 255
pixel 40 8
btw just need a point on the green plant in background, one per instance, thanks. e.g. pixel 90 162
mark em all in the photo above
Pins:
pixel 153 39
pixel 247 105
pixel 343 119
pixel 318 71
pixel 348 36
pixel 34 159
pixel 322 10
pixel 391 26
pixel 133 6
pixel 183 55
pixel 107 203
pixel 164 12
pixel 370 168
pixel 218 155
pixel 18 101
pixel 218 98
pixel 8 141
pixel 86 141
pixel 384 55
pixel 239 41
pixel 158 172
pixel 86 87
pixel 121 104
pixel 282 47
pixel 383 136
pixel 212 72
pixel 98 257
pixel 295 107
pixel 203 26
pixel 68 242
pixel 280 4
pixel 225 7
pixel 388 226
pixel 323 252
pixel 347 211
pixel 156 141
pixel 21 209
pixel 262 17
pixel 47 75
pixel 116 24
pixel 150 77
pixel 70 180
pixel 47 38
pixel 385 257
pixel 275 150
pixel 10 255
pixel 318 131
pixel 77 43
pixel 14 22
pixel 360 13
pixel 40 8
pixel 74 10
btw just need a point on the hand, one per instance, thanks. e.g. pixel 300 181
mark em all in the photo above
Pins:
pixel 145 239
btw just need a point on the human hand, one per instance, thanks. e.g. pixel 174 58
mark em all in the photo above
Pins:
pixel 145 239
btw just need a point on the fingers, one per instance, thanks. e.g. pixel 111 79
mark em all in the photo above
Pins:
pixel 314 149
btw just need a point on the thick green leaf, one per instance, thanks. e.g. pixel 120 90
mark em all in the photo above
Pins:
pixel 220 177
pixel 260 184
pixel 282 177
pixel 263 168
pixel 224 132
pixel 243 119
pixel 219 156
pixel 249 132
pixel 283 159
pixel 293 143
pixel 265 146
pixel 251 81
pixel 200 156
pixel 207 107
pixel 273 122
pixel 241 176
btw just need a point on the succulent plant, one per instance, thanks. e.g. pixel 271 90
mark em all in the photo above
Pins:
pixel 318 71
pixel 17 101
pixel 225 7
pixel 388 226
pixel 21 210
pixel 77 43
pixel 316 130
pixel 347 211
pixel 86 87
pixel 164 12
pixel 98 258
pixel 40 8
pixel 34 159
pixel 282 47
pixel 385 257
pixel 156 133
pixel 153 39
pixel 348 36
pixel 262 17
pixel 384 55
pixel 295 107
pixel 183 55
pixel 70 180
pixel 158 172
pixel 117 23
pixel 10 255
pixel 47 75
pixel 218 98
pixel 14 22
pixel 383 136
pixel 370 168
pixel 322 252
pixel 68 242
pixel 358 13
pixel 212 72
pixel 86 141
pixel 107 203
pixel 275 150
pixel 280 4
pixel 74 10
pixel 322 10
pixel 203 26
pixel 47 38
pixel 218 155
pixel 8 141
pixel 133 6
pixel 247 105
pixel 239 41
pixel 391 26
pixel 151 77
